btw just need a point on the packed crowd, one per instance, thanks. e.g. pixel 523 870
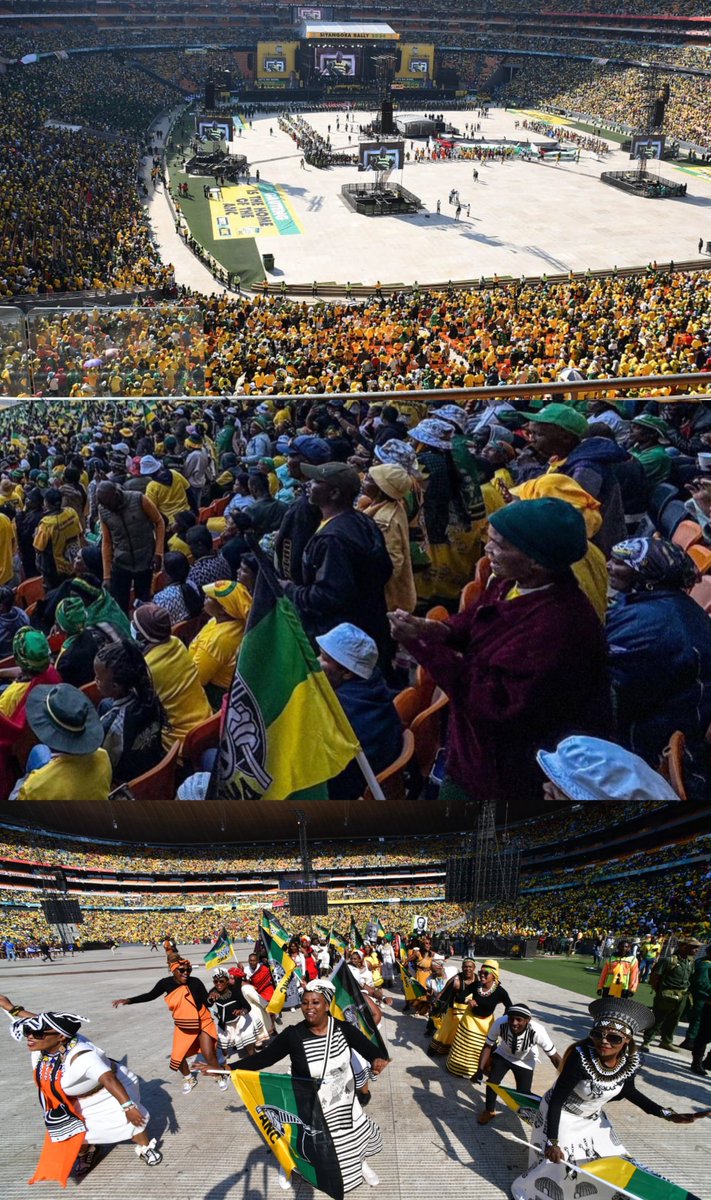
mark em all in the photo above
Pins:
pixel 610 95
pixel 69 207
pixel 115 508
pixel 650 324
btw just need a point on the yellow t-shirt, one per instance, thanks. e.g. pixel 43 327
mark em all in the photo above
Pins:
pixel 169 499
pixel 7 548
pixel 177 544
pixel 11 698
pixel 70 777
pixel 62 531
pixel 214 651
pixel 176 682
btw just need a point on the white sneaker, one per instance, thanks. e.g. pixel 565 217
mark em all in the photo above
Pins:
pixel 284 1183
pixel 190 1083
pixel 369 1175
pixel 223 1083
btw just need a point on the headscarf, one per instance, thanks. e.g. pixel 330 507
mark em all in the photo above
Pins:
pixel 490 964
pixel 551 532
pixel 324 986
pixel 561 487
pixel 659 563
pixel 71 616
pixel 232 597
pixel 398 453
pixel 101 608
pixel 181 964
pixel 31 651
pixel 68 1024
pixel 393 480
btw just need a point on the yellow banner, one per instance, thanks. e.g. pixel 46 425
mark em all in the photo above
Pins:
pixel 416 62
pixel 276 60
pixel 251 210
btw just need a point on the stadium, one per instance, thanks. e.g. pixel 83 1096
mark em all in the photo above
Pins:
pixel 355 585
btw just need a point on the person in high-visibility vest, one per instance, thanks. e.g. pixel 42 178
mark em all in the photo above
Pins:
pixel 620 974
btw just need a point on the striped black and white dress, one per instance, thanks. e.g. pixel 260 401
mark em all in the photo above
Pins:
pixel 355 1136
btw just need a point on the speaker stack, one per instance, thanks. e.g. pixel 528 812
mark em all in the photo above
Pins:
pixel 386 118
pixel 460 878
pixel 311 902
pixel 210 94
pixel 62 912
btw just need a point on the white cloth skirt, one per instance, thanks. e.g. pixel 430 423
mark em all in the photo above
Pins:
pixel 580 1138
pixel 103 1116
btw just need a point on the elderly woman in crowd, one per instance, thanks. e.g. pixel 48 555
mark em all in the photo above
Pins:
pixel 86 1099
pixel 659 651
pixel 531 634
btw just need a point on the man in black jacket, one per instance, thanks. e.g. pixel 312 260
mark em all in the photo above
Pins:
pixel 345 565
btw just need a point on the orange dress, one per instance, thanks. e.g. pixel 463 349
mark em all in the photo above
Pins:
pixel 190 1021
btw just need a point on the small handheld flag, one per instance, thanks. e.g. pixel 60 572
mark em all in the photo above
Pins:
pixel 282 967
pixel 628 1179
pixel 349 1004
pixel 220 950
pixel 412 989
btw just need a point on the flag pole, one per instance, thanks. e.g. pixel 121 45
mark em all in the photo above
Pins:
pixel 369 775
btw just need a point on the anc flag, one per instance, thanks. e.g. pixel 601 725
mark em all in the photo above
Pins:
pixel 412 989
pixel 285 734
pixel 273 926
pixel 335 939
pixel 355 938
pixel 288 1114
pixel 220 950
pixel 282 968
pixel 349 1004
pixel 322 932
pixel 523 1103
pixel 627 1178
pixel 381 928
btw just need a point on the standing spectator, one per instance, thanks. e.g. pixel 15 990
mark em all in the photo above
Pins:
pixel 132 542
pixel 57 540
pixel 169 490
pixel 620 974
pixel 671 982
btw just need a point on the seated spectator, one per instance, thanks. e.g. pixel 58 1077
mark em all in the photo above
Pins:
pixel 647 439
pixel 349 660
pixel 75 660
pixel 587 768
pixel 209 565
pixel 32 655
pixel 532 633
pixel 214 648
pixel 659 643
pixel 173 672
pixel 182 523
pixel 131 714
pixel 69 763
pixel 26 523
pixel 242 497
pixel 179 598
pixel 12 618
pixel 266 514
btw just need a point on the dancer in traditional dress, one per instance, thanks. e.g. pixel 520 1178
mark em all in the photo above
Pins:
pixel 571 1125
pixel 87 1100
pixel 482 1000
pixel 320 1048
pixel 194 1027
pixel 452 1004
pixel 238 1028
pixel 512 1045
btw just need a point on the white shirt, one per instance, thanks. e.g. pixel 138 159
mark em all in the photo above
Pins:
pixel 526 1044
pixel 362 974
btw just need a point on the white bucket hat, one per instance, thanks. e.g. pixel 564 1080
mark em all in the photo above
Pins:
pixel 587 768
pixel 351 648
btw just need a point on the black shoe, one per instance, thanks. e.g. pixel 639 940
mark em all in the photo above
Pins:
pixel 686 1044
pixel 697 1069
pixel 364 1098
pixel 429 1028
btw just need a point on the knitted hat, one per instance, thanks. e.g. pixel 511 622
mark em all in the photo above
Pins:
pixel 549 531
pixel 152 623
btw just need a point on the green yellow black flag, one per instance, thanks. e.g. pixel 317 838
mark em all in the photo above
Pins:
pixel 349 1004
pixel 282 967
pixel 285 734
pixel 288 1114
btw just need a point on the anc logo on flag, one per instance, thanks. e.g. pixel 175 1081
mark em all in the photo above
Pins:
pixel 289 1117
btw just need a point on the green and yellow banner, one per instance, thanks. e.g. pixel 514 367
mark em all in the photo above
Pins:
pixel 284 735
pixel 288 1115
pixel 412 989
pixel 273 926
pixel 628 1179
pixel 523 1103
pixel 337 941
pixel 349 1004
pixel 219 951
pixel 355 937
pixel 282 967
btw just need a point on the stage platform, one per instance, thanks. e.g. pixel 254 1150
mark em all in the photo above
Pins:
pixel 380 200
pixel 653 187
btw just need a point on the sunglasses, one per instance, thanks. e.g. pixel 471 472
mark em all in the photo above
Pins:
pixel 36 1035
pixel 612 1039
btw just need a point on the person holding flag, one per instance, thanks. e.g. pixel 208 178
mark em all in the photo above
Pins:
pixel 259 988
pixel 320 1048
pixel 572 1127
pixel 512 1045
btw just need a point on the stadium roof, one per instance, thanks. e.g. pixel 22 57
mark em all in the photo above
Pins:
pixel 372 30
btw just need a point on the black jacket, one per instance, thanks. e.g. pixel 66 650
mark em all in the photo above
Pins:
pixel 344 569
